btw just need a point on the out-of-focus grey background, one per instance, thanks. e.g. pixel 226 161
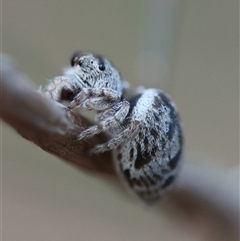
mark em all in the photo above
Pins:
pixel 188 48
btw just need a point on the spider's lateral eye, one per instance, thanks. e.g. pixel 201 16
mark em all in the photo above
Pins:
pixel 74 59
pixel 101 66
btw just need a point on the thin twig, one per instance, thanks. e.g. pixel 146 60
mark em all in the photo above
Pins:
pixel 48 124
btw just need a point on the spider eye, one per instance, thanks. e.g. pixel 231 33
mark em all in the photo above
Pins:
pixel 101 66
pixel 80 62
pixel 74 59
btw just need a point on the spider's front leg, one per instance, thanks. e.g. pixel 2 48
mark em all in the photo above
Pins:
pixel 112 111
pixel 60 89
pixel 95 99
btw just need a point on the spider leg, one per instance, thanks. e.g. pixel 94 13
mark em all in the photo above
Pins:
pixel 107 119
pixel 94 99
pixel 124 136
pixel 55 88
pixel 96 103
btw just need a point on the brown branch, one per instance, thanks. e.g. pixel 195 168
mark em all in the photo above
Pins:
pixel 205 198
pixel 48 124
pixel 53 127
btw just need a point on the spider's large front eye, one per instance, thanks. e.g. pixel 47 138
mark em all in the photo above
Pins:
pixel 101 66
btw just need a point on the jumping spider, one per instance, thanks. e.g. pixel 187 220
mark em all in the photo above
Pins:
pixel 145 131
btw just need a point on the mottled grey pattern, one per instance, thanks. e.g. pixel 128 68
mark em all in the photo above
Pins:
pixel 149 161
pixel 146 132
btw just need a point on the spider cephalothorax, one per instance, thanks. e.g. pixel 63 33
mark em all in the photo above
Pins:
pixel 94 71
pixel 145 131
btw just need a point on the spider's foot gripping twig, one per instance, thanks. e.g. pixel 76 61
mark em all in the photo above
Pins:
pixel 123 137
pixel 109 119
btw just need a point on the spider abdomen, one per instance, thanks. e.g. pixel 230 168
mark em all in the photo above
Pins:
pixel 148 163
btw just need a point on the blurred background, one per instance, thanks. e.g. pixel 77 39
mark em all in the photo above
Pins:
pixel 187 48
